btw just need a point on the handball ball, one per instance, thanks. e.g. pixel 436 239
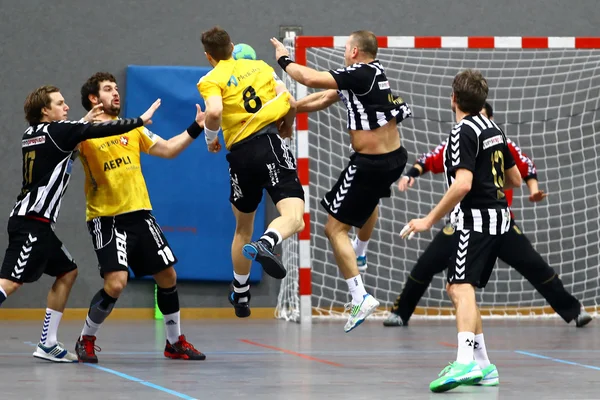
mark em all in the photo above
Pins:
pixel 243 51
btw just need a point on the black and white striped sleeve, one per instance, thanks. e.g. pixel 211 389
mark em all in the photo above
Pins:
pixel 68 134
pixel 463 144
pixel 356 77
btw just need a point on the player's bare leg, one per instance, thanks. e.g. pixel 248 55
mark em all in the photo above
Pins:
pixel 49 348
pixel 465 370
pixel 167 299
pixel 361 240
pixel 363 304
pixel 290 221
pixel 239 295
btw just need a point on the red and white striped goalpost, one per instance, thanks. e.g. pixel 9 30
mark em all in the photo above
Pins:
pixel 415 42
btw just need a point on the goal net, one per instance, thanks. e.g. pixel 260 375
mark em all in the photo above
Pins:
pixel 545 94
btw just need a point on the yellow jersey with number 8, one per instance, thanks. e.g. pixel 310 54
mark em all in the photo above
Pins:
pixel 250 102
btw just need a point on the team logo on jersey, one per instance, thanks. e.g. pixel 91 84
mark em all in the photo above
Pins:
pixel 493 141
pixel 124 140
pixel 232 81
pixel 516 228
pixel 448 230
pixel 33 141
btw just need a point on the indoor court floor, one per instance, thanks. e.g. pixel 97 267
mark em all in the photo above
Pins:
pixel 270 359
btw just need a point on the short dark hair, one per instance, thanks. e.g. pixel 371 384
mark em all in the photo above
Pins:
pixel 488 109
pixel 217 43
pixel 35 101
pixel 366 41
pixel 470 91
pixel 92 86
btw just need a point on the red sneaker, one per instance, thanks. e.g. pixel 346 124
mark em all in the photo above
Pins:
pixel 86 349
pixel 183 350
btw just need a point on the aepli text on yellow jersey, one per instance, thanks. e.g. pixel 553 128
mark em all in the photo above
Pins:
pixel 114 183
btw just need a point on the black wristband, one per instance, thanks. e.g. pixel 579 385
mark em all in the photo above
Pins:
pixel 413 173
pixel 284 61
pixel 194 130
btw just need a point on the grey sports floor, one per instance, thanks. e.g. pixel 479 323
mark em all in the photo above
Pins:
pixel 269 359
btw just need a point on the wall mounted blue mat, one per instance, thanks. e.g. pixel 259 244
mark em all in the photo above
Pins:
pixel 189 194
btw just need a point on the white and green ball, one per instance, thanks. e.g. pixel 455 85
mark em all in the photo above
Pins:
pixel 243 51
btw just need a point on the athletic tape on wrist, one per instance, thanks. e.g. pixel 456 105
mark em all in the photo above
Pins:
pixel 210 135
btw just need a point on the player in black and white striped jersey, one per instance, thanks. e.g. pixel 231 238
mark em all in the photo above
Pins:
pixel 49 147
pixel 378 161
pixel 479 166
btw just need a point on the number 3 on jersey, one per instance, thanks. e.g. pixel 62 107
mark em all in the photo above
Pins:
pixel 498 172
pixel 252 102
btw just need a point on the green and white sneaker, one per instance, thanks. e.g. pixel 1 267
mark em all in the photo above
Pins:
pixel 490 376
pixel 455 375
pixel 360 312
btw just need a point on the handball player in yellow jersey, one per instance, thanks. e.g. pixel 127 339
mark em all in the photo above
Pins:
pixel 253 107
pixel 119 217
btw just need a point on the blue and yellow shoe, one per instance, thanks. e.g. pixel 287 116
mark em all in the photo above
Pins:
pixel 259 252
pixel 455 375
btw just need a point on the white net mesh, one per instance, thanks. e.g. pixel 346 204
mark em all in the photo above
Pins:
pixel 547 101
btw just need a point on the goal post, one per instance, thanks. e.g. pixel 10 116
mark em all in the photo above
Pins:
pixel 545 92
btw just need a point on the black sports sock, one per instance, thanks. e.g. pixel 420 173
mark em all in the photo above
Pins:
pixel 167 300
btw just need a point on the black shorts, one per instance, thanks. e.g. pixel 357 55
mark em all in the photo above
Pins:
pixel 366 180
pixel 473 257
pixel 130 240
pixel 33 250
pixel 262 162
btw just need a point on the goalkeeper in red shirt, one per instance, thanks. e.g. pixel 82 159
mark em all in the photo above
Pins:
pixel 518 252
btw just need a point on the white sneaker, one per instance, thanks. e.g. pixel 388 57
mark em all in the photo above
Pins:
pixel 56 353
pixel 360 312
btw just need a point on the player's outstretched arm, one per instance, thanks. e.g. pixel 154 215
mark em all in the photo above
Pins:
pixel 286 125
pixel 408 180
pixel 76 132
pixel 457 191
pixel 304 75
pixel 535 194
pixel 317 101
pixel 173 147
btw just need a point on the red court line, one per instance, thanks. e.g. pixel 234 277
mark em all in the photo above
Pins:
pixel 293 353
pixel 448 344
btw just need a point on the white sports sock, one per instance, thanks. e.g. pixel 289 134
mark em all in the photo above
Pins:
pixel 242 279
pixel 172 327
pixel 357 289
pixel 269 239
pixel 479 352
pixel 360 247
pixel 90 328
pixel 465 347
pixel 50 327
